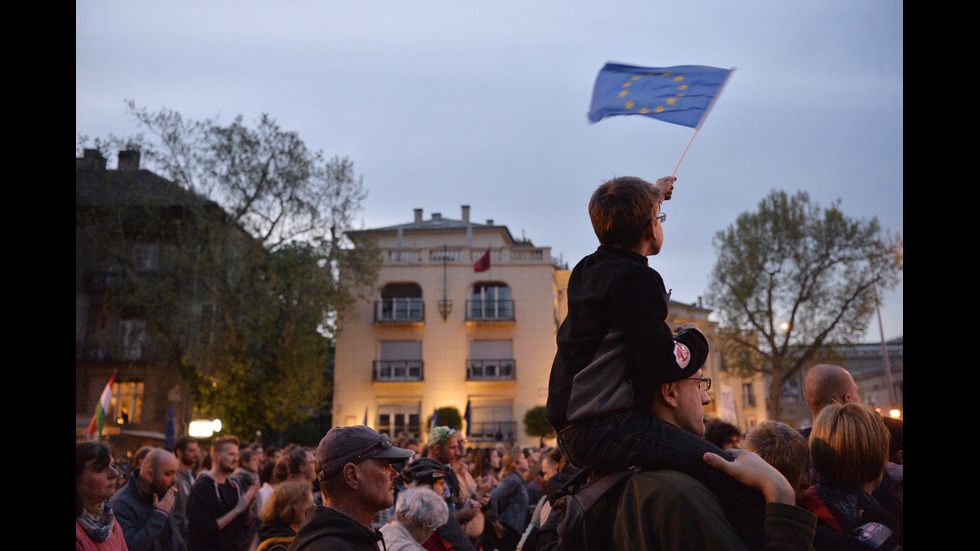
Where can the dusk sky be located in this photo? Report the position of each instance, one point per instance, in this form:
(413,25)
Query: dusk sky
(441,104)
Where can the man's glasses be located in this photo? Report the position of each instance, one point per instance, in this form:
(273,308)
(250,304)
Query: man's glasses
(704,383)
(382,441)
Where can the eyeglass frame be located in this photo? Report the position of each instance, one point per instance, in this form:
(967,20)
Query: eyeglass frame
(662,217)
(381,440)
(703,381)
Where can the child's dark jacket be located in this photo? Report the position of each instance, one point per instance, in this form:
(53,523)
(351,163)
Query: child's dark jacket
(615,346)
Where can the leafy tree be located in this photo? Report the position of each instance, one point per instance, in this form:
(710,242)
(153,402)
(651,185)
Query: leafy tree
(793,280)
(536,424)
(259,268)
(449,416)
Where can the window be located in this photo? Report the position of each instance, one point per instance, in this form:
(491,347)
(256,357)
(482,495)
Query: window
(791,391)
(490,361)
(492,421)
(748,396)
(126,403)
(399,361)
(132,334)
(490,302)
(399,420)
(145,256)
(400,302)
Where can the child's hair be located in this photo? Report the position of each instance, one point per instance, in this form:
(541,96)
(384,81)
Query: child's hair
(783,447)
(620,210)
(848,444)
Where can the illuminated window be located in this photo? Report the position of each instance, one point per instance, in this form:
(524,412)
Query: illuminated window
(127,402)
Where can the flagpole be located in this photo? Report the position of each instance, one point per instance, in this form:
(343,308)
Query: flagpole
(703,118)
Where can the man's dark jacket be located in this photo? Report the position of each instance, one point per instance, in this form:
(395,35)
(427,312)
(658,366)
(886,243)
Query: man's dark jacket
(327,529)
(144,527)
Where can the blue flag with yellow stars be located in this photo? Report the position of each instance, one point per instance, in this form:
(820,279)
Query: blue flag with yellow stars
(679,95)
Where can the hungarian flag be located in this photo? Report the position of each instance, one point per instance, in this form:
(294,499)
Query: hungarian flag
(101,410)
(483,264)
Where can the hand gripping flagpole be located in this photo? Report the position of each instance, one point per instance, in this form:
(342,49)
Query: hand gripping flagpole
(703,117)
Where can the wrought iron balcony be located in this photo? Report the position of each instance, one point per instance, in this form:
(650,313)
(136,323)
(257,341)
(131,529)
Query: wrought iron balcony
(399,310)
(490,370)
(489,310)
(94,352)
(397,370)
(493,431)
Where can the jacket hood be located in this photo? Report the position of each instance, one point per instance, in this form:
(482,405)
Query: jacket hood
(275,529)
(322,521)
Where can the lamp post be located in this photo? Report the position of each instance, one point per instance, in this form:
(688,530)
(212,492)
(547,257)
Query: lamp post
(892,401)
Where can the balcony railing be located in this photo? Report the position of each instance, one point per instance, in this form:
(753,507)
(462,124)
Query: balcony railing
(489,310)
(493,431)
(466,256)
(92,352)
(490,370)
(397,370)
(399,310)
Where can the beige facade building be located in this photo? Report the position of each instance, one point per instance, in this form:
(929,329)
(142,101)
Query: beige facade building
(449,326)
(439,333)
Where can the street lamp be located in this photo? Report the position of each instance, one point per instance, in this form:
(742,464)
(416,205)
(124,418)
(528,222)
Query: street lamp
(203,428)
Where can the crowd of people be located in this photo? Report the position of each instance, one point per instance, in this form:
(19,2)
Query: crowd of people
(449,496)
(635,467)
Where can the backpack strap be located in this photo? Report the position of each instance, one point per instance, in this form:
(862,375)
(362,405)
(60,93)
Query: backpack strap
(591,492)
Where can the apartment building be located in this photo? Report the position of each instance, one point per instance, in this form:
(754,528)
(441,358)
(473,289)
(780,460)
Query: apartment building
(463,315)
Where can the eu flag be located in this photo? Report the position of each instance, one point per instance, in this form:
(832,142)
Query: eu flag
(679,95)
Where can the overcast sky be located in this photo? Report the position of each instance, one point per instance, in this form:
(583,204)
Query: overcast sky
(483,103)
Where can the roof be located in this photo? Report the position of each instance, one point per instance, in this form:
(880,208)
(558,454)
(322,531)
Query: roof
(438,223)
(129,187)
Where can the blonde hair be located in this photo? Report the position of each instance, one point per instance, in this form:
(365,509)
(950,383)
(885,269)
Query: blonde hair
(508,461)
(288,503)
(849,445)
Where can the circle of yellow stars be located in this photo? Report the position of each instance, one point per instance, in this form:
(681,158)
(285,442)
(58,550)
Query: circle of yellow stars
(660,108)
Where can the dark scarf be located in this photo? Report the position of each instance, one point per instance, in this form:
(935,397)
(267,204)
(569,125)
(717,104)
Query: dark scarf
(846,503)
(98,527)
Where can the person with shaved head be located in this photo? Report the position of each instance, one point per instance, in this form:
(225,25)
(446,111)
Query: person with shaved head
(825,384)
(143,506)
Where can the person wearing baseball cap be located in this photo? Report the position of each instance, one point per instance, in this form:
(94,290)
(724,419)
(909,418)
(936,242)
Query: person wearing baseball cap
(354,468)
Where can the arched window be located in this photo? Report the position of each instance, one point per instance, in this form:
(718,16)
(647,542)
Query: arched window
(400,302)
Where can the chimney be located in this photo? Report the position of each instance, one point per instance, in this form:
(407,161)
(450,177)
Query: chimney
(436,216)
(418,216)
(466,214)
(129,160)
(91,159)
